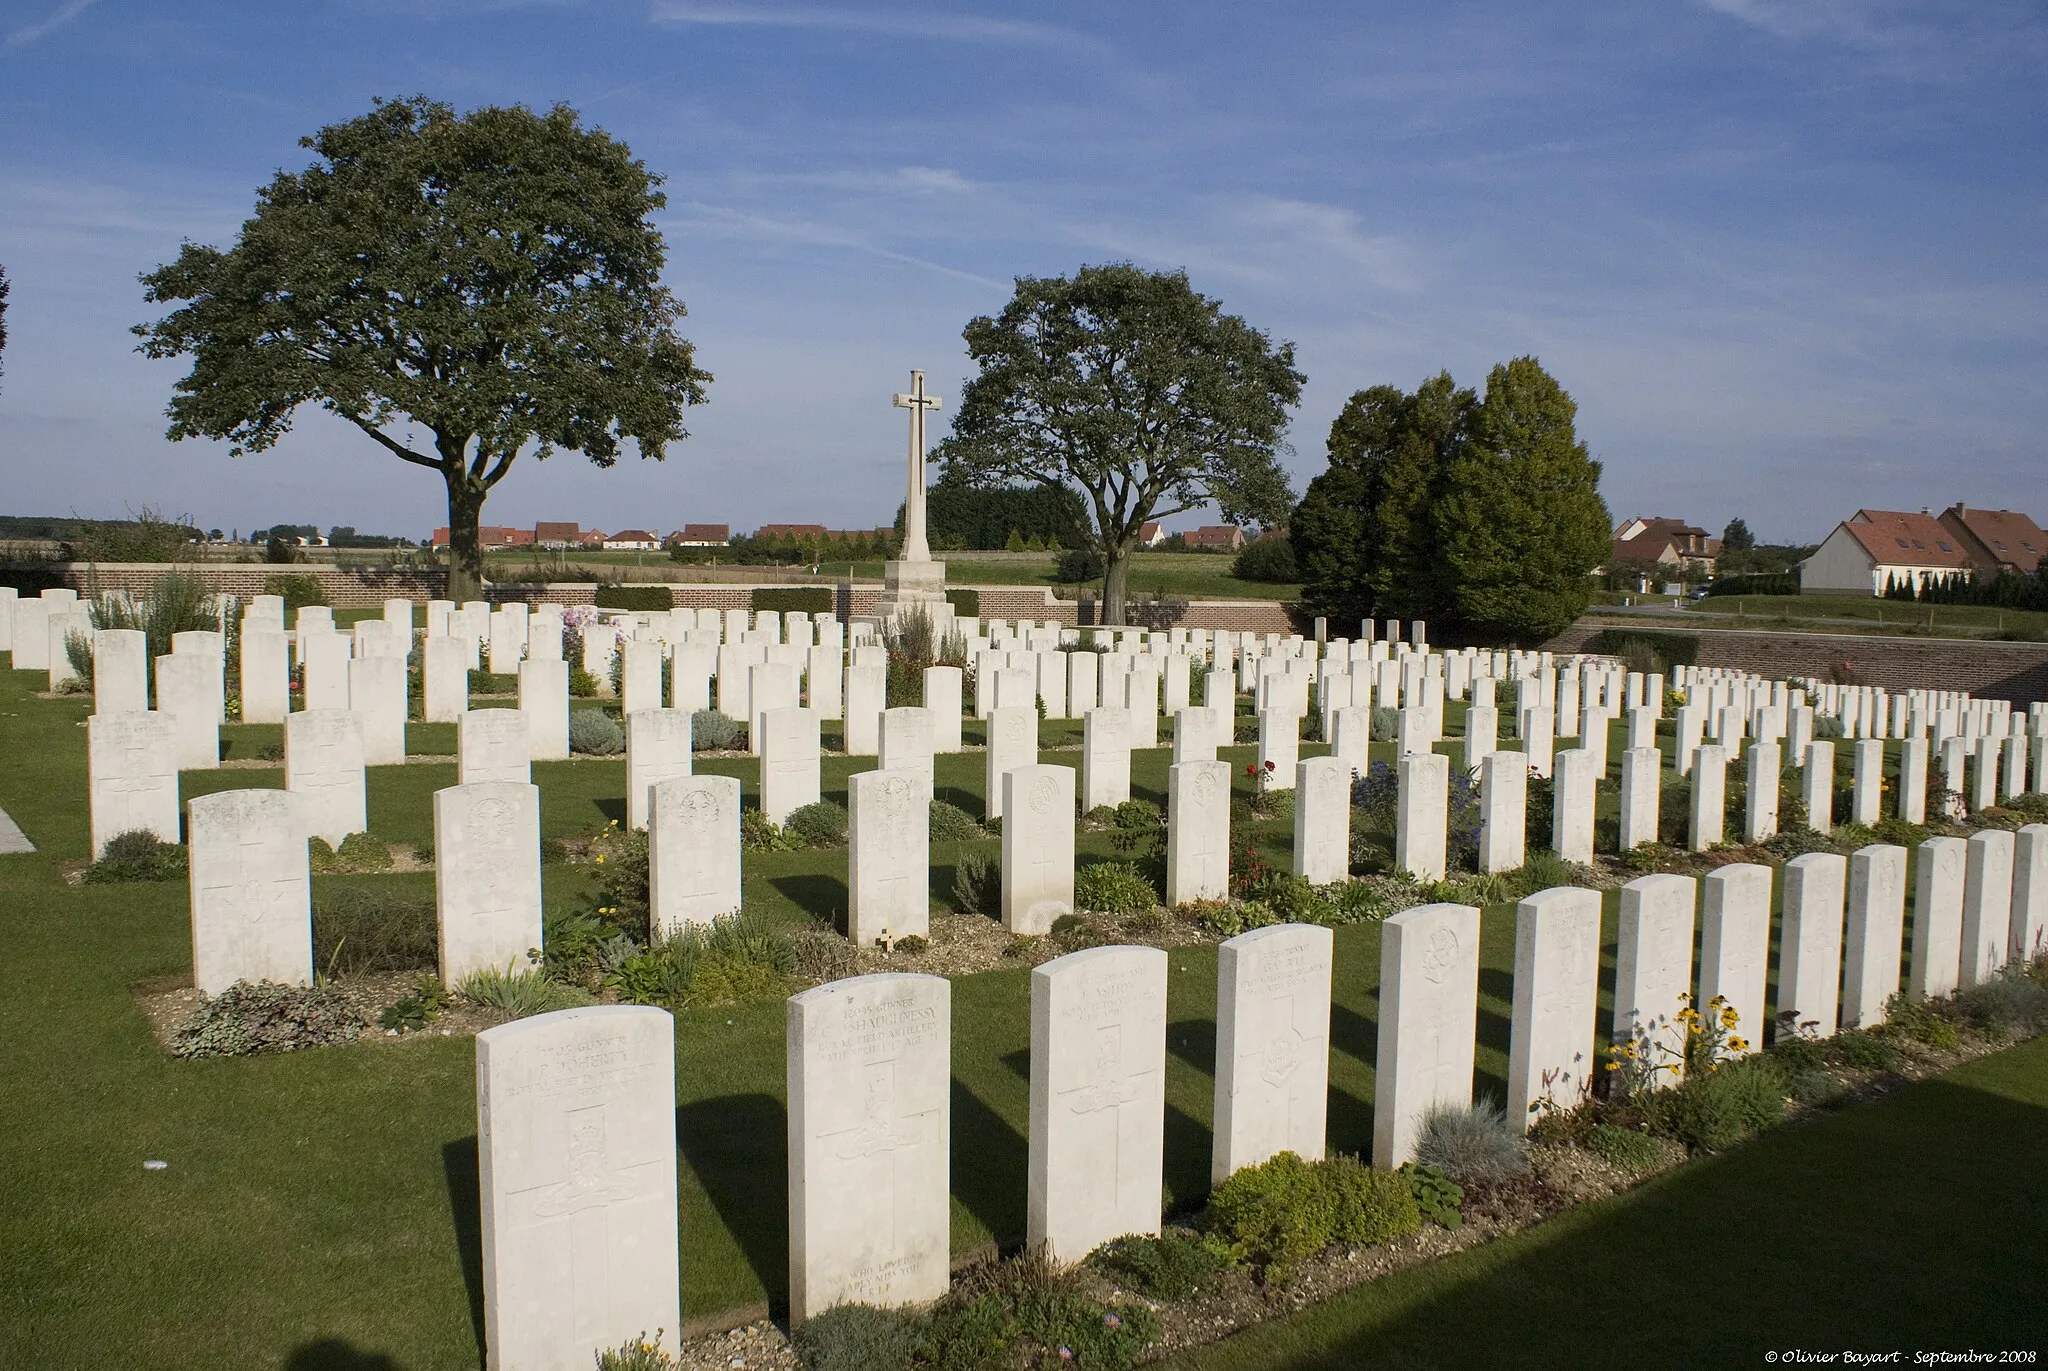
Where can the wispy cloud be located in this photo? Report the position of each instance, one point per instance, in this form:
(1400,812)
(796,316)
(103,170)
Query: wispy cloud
(720,221)
(965,28)
(64,14)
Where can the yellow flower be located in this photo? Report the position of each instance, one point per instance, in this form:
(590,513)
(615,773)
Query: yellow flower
(599,858)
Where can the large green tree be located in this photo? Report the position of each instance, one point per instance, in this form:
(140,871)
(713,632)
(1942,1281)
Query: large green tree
(1364,533)
(1522,523)
(492,278)
(1484,512)
(1135,392)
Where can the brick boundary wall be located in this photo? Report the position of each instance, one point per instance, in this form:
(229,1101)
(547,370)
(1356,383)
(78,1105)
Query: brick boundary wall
(1997,670)
(366,587)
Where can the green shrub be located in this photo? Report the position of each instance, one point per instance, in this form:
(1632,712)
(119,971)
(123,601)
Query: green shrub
(858,1337)
(1862,1051)
(966,603)
(978,883)
(595,733)
(1270,560)
(640,599)
(1113,888)
(1624,1147)
(261,1016)
(137,855)
(1026,1312)
(952,824)
(737,957)
(298,590)
(519,994)
(1173,1266)
(759,833)
(360,929)
(1719,1108)
(1076,565)
(1437,1196)
(619,860)
(418,1007)
(1472,1143)
(78,651)
(358,852)
(1919,1021)
(1282,1212)
(582,683)
(2010,1005)
(711,731)
(819,825)
(792,599)
(554,852)
(1814,1088)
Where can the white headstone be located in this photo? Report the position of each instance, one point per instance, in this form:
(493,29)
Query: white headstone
(870,1132)
(889,862)
(324,657)
(1762,799)
(1421,826)
(1098,1099)
(693,851)
(376,696)
(1936,967)
(640,676)
(658,748)
(544,700)
(1429,1006)
(790,762)
(323,768)
(866,697)
(1105,758)
(1735,943)
(266,676)
(492,745)
(1987,905)
(1503,811)
(1272,1046)
(2029,893)
(31,641)
(907,742)
(942,701)
(188,693)
(1038,846)
(1197,832)
(120,670)
(1322,820)
(1810,937)
(487,876)
(252,916)
(1653,967)
(1876,929)
(576,1157)
(1551,1065)
(1709,796)
(1641,779)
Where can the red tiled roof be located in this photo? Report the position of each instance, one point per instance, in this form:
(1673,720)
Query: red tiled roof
(705,533)
(1997,539)
(556,533)
(1894,538)
(633,535)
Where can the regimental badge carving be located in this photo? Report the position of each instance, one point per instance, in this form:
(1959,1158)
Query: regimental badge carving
(700,810)
(1282,1057)
(881,1129)
(1045,794)
(592,1181)
(1439,954)
(1205,786)
(1108,1087)
(895,799)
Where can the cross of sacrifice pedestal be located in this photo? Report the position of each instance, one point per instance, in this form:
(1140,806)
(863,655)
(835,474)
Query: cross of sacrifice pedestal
(915,548)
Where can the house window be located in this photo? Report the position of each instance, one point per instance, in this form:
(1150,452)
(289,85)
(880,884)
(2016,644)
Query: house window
(1943,546)
(1922,546)
(1900,541)
(2000,546)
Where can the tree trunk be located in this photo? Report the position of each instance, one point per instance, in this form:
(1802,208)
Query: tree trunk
(465,545)
(1116,576)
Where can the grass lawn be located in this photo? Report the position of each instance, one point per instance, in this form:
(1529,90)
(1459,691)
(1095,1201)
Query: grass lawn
(327,1199)
(1912,1225)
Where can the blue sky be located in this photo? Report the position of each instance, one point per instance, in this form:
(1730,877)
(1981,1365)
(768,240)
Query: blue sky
(1790,258)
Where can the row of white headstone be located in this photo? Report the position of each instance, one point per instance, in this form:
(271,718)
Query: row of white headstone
(576,1117)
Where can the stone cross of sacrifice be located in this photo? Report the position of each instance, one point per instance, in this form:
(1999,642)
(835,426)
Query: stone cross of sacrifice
(915,548)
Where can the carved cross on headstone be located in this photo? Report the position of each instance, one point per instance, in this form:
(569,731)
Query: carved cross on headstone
(915,548)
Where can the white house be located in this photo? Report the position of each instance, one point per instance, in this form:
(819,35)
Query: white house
(1874,549)
(632,540)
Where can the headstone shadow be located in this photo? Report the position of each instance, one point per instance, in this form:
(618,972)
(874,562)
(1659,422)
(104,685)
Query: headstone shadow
(465,1210)
(1189,1143)
(738,1148)
(1495,1030)
(612,807)
(1194,1042)
(338,1354)
(989,1161)
(817,894)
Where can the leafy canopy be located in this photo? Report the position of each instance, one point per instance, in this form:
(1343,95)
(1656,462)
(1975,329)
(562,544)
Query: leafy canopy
(1440,504)
(1132,390)
(494,278)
